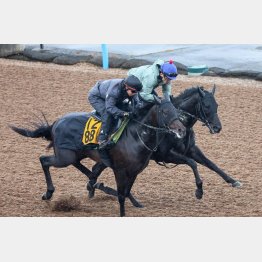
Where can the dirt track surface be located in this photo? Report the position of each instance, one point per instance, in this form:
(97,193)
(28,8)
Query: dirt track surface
(28,87)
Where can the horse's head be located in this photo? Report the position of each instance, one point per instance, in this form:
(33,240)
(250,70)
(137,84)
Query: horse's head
(207,110)
(196,103)
(167,116)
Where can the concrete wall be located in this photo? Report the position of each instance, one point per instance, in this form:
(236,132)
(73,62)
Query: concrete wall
(6,50)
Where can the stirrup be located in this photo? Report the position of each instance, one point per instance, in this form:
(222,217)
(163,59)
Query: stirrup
(107,145)
(102,144)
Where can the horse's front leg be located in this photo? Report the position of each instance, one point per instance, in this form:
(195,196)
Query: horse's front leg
(198,156)
(176,158)
(122,185)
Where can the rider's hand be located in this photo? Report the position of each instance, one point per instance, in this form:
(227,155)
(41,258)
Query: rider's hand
(125,114)
(128,114)
(131,115)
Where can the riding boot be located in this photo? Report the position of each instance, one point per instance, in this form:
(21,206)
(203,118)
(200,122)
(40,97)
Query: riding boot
(104,156)
(102,139)
(106,128)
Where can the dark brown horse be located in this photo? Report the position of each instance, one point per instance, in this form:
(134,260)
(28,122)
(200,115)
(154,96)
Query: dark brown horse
(129,156)
(194,104)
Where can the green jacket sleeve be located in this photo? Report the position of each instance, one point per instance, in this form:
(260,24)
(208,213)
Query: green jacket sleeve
(148,76)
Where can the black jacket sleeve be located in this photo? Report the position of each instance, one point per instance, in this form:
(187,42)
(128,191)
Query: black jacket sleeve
(111,107)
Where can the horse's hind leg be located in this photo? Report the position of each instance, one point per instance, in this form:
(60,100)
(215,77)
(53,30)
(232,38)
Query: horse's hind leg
(131,181)
(97,170)
(46,162)
(198,156)
(92,178)
(63,158)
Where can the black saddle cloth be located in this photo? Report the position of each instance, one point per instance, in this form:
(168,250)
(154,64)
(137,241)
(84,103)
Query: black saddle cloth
(68,131)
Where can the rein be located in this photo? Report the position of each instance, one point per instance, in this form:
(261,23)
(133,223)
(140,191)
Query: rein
(158,130)
(157,142)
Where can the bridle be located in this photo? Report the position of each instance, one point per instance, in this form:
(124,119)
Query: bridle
(200,115)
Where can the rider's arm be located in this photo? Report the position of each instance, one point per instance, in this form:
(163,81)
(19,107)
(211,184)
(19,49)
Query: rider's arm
(149,83)
(166,90)
(111,107)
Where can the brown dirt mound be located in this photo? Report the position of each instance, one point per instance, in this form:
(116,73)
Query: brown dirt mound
(66,204)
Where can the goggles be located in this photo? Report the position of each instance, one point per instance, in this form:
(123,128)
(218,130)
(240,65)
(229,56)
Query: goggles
(133,90)
(170,74)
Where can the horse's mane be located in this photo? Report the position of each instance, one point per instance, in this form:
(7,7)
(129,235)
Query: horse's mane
(186,93)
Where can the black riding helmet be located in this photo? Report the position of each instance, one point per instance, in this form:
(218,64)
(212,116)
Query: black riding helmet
(133,82)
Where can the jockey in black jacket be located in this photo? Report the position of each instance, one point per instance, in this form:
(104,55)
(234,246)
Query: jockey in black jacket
(107,98)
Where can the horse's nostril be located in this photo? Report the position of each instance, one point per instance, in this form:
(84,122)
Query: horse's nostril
(181,132)
(217,129)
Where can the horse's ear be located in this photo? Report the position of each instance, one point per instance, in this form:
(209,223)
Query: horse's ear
(201,91)
(213,90)
(157,100)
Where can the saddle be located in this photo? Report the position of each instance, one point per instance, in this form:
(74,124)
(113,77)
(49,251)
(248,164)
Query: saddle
(93,127)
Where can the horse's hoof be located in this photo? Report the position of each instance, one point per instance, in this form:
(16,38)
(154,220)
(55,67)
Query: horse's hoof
(89,187)
(98,185)
(91,190)
(136,203)
(237,184)
(199,194)
(91,194)
(46,196)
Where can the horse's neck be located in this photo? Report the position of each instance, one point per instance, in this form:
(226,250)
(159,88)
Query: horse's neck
(189,104)
(150,118)
(144,128)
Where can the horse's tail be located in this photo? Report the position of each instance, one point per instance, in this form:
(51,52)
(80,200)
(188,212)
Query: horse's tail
(43,131)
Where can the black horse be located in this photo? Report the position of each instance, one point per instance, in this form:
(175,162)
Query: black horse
(193,104)
(129,156)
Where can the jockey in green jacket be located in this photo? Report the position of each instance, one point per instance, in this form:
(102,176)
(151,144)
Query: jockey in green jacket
(152,76)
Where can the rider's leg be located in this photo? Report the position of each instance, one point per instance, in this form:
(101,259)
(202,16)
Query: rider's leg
(107,120)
